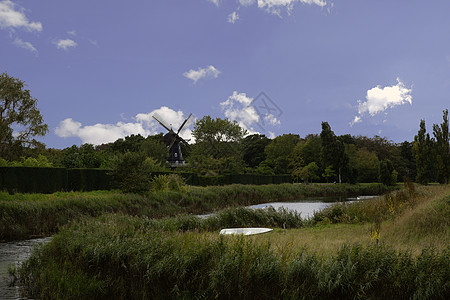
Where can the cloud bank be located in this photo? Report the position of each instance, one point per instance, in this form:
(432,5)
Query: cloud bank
(379,99)
(207,72)
(143,124)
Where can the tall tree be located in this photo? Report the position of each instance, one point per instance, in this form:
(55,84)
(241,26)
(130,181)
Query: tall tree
(217,137)
(441,134)
(253,148)
(20,120)
(422,152)
(333,151)
(279,152)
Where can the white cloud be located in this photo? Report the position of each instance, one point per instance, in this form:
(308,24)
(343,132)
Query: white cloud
(106,133)
(233,17)
(275,6)
(65,44)
(246,2)
(12,17)
(207,72)
(25,45)
(216,2)
(379,99)
(238,107)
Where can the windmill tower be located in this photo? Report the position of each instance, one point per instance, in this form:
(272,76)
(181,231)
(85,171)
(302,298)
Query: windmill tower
(172,140)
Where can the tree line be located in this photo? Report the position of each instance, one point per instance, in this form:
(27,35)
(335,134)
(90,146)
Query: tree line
(222,147)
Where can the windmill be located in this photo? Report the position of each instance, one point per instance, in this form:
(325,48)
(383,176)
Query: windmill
(172,140)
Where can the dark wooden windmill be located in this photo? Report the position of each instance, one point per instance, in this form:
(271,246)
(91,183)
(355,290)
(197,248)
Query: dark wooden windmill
(172,140)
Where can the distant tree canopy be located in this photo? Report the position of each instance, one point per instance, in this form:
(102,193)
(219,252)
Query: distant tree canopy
(222,147)
(20,120)
(217,137)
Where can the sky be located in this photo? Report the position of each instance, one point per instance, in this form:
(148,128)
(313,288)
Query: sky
(101,69)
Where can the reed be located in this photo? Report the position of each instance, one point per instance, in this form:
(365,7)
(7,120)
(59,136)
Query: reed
(25,215)
(122,257)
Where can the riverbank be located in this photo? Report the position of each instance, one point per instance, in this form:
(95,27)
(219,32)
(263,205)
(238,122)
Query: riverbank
(125,257)
(27,215)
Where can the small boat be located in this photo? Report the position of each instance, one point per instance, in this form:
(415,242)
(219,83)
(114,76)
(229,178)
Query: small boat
(245,231)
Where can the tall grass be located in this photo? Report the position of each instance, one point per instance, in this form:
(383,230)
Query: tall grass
(24,215)
(122,257)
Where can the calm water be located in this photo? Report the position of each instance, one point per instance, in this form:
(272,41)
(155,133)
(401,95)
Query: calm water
(306,206)
(13,253)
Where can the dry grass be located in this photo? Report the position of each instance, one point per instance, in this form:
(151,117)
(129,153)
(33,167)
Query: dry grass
(424,225)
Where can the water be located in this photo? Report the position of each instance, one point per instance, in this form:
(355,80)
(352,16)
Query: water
(306,206)
(14,253)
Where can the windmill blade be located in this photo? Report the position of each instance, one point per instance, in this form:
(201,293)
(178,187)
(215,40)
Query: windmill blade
(160,122)
(184,142)
(184,123)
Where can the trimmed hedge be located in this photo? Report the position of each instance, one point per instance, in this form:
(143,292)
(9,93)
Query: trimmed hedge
(50,180)
(33,179)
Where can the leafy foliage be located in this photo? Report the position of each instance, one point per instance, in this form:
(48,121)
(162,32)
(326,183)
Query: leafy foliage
(20,120)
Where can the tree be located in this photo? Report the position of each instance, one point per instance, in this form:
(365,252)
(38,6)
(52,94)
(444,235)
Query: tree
(217,137)
(441,134)
(279,152)
(20,120)
(308,173)
(422,151)
(333,151)
(253,149)
(329,174)
(388,176)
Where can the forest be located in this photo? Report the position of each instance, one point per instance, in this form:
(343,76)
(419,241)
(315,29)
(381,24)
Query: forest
(222,147)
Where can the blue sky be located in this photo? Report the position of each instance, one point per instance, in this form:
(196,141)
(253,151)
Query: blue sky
(101,69)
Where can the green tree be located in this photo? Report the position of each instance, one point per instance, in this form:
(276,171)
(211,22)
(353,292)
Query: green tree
(307,174)
(329,174)
(367,165)
(422,152)
(253,149)
(441,134)
(279,152)
(217,137)
(333,151)
(133,172)
(388,175)
(20,120)
(155,149)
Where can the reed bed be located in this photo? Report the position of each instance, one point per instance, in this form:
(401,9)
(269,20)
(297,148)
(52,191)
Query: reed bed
(123,257)
(25,215)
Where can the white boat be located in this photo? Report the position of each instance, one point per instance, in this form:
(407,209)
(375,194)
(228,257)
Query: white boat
(245,231)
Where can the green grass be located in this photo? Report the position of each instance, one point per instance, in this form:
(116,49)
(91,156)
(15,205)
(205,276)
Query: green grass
(25,215)
(117,256)
(123,257)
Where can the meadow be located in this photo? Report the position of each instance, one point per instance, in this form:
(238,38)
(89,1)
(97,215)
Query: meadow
(31,215)
(392,247)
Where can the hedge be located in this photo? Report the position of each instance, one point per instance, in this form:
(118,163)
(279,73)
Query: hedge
(50,180)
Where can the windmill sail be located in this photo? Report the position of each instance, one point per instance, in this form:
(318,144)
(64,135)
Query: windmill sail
(172,140)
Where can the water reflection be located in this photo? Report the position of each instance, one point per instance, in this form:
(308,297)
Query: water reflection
(13,253)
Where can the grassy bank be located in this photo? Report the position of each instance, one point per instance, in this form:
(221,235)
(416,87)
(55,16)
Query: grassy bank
(334,256)
(25,215)
(119,257)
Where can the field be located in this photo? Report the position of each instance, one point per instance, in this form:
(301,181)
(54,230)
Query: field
(30,215)
(392,247)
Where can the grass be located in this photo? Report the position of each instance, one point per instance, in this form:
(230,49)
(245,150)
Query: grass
(330,257)
(28,215)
